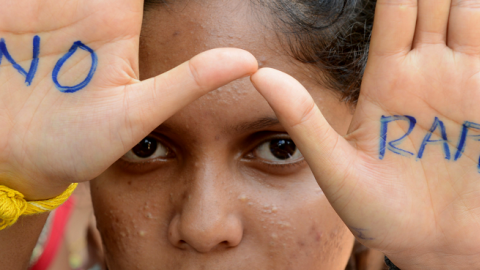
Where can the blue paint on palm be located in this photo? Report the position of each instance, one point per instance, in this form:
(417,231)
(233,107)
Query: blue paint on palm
(30,75)
(392,146)
(427,140)
(33,65)
(72,89)
(437,124)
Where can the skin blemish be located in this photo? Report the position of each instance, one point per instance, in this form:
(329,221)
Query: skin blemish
(262,61)
(284,224)
(242,198)
(317,236)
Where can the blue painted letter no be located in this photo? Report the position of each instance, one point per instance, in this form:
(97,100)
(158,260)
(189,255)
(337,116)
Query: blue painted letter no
(61,62)
(30,75)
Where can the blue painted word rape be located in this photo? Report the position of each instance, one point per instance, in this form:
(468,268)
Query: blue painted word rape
(393,146)
(30,75)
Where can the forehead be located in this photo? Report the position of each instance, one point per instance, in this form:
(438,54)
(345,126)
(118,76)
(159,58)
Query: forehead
(175,32)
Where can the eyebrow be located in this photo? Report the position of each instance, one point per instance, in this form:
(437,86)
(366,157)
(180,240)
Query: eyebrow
(255,125)
(244,127)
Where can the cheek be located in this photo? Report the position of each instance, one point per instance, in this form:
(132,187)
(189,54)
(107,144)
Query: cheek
(287,227)
(301,232)
(324,236)
(130,219)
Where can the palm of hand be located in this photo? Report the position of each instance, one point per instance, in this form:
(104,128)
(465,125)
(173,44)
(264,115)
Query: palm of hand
(428,200)
(415,199)
(39,116)
(50,138)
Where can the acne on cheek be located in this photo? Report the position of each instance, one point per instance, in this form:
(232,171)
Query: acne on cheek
(279,228)
(322,243)
(276,227)
(289,241)
(115,233)
(313,237)
(129,235)
(322,234)
(123,220)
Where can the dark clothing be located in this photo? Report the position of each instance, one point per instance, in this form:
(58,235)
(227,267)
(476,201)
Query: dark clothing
(390,264)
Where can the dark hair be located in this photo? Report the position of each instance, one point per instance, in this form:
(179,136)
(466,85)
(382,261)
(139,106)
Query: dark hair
(332,35)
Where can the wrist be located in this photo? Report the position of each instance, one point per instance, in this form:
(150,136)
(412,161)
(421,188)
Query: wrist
(32,190)
(13,205)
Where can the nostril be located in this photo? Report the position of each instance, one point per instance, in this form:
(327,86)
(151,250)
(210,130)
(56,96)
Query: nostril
(182,245)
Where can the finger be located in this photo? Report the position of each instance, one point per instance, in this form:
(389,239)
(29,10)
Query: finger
(393,27)
(149,103)
(327,153)
(432,22)
(463,28)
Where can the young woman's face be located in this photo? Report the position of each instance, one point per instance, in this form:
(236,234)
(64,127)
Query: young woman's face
(220,185)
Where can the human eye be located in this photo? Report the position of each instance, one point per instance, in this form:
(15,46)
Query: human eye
(278,151)
(149,149)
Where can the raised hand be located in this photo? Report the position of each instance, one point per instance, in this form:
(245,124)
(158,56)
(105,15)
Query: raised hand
(74,106)
(406,179)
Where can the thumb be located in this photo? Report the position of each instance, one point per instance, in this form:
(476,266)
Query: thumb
(328,154)
(151,102)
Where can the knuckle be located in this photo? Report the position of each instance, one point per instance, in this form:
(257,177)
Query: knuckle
(399,3)
(473,4)
(197,78)
(305,113)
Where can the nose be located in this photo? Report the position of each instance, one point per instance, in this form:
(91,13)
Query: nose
(207,220)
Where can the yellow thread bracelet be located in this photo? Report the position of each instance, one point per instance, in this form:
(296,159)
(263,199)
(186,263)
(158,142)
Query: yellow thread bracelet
(13,205)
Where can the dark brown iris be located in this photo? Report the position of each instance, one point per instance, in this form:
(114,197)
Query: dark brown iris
(282,149)
(145,148)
